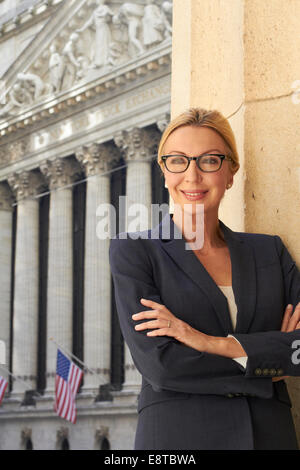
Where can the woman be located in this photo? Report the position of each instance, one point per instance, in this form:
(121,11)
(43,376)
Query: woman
(211,329)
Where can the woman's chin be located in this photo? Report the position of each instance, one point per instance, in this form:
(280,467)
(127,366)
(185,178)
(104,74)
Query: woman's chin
(194,207)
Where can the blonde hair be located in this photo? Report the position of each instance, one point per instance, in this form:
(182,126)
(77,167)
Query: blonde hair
(203,118)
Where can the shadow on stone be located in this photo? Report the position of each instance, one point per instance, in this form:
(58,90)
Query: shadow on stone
(29,398)
(104,393)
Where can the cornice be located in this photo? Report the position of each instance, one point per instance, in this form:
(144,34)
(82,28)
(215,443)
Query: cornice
(27,18)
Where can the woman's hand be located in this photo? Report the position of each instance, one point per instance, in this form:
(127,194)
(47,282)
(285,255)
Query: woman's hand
(290,322)
(164,323)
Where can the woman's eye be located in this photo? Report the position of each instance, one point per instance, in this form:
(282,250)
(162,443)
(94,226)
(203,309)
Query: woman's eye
(177,160)
(210,160)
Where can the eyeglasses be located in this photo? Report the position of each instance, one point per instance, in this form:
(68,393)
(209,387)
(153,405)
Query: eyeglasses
(207,162)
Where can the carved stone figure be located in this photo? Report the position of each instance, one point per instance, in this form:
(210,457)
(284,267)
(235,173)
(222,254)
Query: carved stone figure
(27,89)
(18,97)
(116,53)
(131,15)
(56,69)
(33,84)
(100,20)
(73,64)
(153,24)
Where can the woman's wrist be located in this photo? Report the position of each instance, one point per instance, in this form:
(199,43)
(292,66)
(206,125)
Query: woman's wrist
(227,347)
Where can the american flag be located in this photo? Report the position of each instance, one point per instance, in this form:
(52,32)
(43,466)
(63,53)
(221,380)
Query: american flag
(3,385)
(67,381)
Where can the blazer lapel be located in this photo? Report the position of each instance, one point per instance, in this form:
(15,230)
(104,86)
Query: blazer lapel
(243,273)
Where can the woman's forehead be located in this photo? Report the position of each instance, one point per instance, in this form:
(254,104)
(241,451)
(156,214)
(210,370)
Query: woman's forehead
(192,137)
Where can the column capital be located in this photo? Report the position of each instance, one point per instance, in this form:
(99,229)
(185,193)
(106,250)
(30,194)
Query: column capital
(60,172)
(26,184)
(6,197)
(137,144)
(97,158)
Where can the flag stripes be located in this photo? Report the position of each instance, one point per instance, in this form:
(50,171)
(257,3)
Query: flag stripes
(67,381)
(3,385)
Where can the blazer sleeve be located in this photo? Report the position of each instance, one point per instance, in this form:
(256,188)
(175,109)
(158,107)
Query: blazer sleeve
(163,361)
(276,353)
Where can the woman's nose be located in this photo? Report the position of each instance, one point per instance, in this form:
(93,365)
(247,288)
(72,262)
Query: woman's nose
(193,173)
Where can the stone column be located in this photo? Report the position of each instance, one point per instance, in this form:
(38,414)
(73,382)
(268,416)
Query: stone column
(272,141)
(97,160)
(138,146)
(60,173)
(25,317)
(6,208)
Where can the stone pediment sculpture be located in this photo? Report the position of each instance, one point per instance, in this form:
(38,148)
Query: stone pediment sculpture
(92,40)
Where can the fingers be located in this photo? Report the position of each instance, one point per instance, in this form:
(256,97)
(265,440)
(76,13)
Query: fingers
(152,314)
(161,332)
(294,320)
(151,303)
(286,317)
(146,314)
(151,324)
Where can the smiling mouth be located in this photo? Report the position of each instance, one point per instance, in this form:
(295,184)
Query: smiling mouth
(199,191)
(194,195)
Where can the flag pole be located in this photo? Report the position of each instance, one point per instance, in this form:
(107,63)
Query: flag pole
(68,353)
(19,380)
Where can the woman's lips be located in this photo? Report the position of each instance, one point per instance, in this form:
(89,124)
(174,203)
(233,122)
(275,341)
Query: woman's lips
(194,195)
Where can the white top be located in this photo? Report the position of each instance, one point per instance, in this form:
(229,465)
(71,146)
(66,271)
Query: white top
(229,294)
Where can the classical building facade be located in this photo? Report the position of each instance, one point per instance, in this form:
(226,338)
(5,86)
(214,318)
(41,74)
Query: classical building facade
(84,99)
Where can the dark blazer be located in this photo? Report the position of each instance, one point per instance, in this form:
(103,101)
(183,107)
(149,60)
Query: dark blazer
(195,400)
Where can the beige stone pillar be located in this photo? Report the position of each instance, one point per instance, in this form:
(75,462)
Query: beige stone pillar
(60,173)
(97,160)
(25,320)
(272,120)
(137,145)
(208,71)
(242,58)
(6,208)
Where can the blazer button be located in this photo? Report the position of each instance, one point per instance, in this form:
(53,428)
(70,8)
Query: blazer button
(266,371)
(272,372)
(230,395)
(257,371)
(279,371)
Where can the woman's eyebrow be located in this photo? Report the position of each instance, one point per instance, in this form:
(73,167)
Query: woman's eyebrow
(177,152)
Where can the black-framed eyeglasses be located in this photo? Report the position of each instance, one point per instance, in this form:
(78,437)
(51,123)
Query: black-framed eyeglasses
(207,162)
